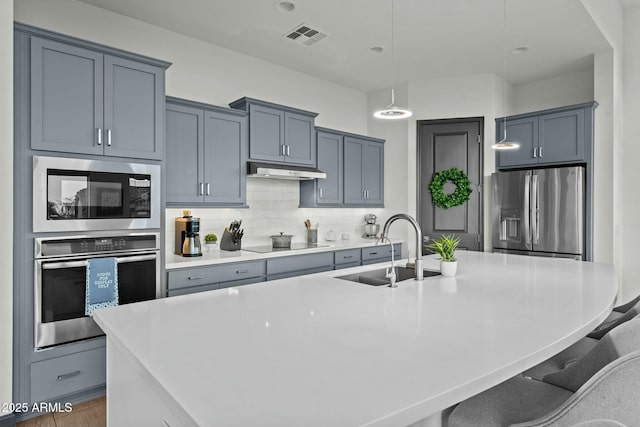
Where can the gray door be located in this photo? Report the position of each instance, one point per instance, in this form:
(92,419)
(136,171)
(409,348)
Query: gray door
(561,136)
(225,157)
(353,176)
(373,157)
(133,109)
(443,144)
(299,139)
(266,133)
(330,161)
(66,97)
(525,132)
(557,210)
(184,172)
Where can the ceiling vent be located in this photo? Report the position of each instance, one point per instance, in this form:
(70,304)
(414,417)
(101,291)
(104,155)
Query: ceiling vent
(305,35)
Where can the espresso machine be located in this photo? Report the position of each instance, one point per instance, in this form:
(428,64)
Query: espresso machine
(188,235)
(370,227)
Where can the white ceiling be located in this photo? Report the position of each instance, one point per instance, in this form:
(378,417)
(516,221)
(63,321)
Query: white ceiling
(433,38)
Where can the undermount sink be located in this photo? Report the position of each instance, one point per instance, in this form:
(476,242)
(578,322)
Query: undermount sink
(377,277)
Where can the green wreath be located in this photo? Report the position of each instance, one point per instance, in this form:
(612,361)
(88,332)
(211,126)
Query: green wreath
(458,197)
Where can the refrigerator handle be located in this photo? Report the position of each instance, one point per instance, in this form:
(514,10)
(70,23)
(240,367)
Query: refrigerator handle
(535,229)
(527,211)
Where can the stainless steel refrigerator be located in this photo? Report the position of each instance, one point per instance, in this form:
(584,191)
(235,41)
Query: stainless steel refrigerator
(540,212)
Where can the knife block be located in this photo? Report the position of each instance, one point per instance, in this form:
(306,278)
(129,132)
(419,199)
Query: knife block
(227,244)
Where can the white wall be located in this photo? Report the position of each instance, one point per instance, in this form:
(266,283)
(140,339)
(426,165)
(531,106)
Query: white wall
(6,194)
(558,91)
(630,169)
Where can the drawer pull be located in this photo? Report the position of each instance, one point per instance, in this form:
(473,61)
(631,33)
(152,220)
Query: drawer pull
(195,277)
(347,257)
(373,253)
(242,271)
(69,375)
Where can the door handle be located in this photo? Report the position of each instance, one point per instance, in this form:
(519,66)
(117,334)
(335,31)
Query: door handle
(208,189)
(321,192)
(109,137)
(69,375)
(99,136)
(540,152)
(527,210)
(288,150)
(282,150)
(535,230)
(535,152)
(135,258)
(201,189)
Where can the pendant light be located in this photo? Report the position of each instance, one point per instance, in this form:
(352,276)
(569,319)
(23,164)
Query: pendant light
(391,111)
(504,143)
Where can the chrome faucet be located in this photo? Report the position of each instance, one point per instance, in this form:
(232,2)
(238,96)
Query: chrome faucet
(416,226)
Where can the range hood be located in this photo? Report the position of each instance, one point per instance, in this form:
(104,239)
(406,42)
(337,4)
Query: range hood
(283,171)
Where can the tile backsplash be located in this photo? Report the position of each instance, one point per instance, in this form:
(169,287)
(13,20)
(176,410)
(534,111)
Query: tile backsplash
(273,208)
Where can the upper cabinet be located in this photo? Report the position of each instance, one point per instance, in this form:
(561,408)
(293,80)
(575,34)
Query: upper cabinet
(278,133)
(561,135)
(89,99)
(354,165)
(206,155)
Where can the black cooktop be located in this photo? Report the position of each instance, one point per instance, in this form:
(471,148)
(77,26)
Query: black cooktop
(294,246)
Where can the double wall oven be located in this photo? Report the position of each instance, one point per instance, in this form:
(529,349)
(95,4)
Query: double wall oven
(91,209)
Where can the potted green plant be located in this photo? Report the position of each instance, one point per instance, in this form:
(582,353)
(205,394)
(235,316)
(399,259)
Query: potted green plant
(210,240)
(446,247)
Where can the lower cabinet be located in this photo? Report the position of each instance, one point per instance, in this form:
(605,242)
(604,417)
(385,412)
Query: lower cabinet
(298,265)
(60,376)
(199,279)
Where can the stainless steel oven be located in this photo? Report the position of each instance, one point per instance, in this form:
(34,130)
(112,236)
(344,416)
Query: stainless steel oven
(61,277)
(81,194)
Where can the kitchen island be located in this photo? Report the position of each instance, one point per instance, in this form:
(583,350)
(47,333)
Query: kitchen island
(321,351)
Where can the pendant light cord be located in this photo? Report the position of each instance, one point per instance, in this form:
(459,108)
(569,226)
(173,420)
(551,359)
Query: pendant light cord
(393,101)
(504,66)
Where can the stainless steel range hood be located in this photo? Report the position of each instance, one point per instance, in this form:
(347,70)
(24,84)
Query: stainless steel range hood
(280,171)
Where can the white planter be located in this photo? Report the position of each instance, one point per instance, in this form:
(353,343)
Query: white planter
(448,269)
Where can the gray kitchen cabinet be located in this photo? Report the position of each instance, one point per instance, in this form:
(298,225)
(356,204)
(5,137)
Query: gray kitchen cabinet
(556,136)
(278,133)
(298,265)
(381,253)
(198,279)
(206,154)
(347,258)
(63,375)
(363,171)
(87,101)
(327,191)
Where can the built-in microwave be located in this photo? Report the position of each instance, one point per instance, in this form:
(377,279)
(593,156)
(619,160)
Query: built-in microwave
(87,195)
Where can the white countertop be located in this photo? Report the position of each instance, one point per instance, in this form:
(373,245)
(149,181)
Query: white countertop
(320,351)
(217,256)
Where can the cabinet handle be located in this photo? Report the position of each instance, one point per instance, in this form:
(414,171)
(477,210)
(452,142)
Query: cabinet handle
(195,277)
(201,189)
(347,257)
(321,192)
(373,253)
(288,150)
(109,137)
(69,375)
(535,153)
(540,151)
(282,150)
(99,136)
(242,271)
(208,189)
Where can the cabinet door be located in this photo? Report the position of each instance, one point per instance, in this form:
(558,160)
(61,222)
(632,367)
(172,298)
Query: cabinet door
(373,165)
(561,136)
(66,97)
(330,161)
(133,109)
(266,134)
(353,184)
(525,132)
(225,140)
(184,170)
(299,139)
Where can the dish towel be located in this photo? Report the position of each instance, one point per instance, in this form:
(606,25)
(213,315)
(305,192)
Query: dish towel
(102,284)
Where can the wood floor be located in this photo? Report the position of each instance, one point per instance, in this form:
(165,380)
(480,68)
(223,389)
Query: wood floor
(87,414)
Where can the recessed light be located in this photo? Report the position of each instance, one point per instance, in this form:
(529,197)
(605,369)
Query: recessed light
(285,6)
(376,49)
(520,50)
